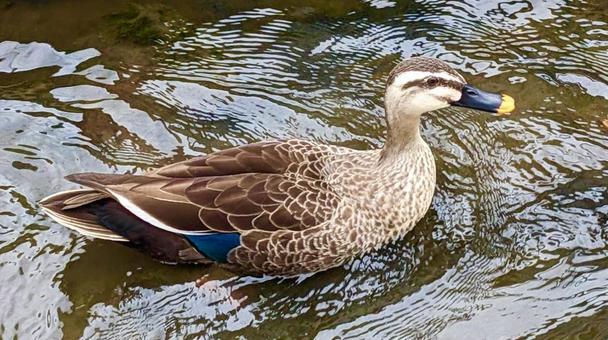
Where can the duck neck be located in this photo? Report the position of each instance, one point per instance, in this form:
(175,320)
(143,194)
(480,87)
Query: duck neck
(402,137)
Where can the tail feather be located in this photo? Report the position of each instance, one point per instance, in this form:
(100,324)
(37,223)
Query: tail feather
(96,214)
(61,208)
(99,181)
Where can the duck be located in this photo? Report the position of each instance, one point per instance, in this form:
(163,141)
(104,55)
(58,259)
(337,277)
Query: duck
(281,207)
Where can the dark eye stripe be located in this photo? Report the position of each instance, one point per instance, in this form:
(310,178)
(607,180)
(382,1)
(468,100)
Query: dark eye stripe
(441,82)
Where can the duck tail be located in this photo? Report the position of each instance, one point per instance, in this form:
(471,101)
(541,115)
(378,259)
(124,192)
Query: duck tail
(94,213)
(63,207)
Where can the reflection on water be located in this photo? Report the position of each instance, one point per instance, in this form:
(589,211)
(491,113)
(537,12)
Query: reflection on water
(515,244)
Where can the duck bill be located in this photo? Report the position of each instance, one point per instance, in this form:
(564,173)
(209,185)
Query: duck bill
(475,98)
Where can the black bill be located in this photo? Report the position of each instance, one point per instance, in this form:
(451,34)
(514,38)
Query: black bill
(475,98)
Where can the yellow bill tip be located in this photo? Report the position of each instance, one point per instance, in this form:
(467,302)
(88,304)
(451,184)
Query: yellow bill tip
(507,105)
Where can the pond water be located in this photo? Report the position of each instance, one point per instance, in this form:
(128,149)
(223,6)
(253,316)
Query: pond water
(514,245)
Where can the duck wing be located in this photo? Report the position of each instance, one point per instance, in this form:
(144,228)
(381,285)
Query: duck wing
(200,208)
(218,204)
(267,186)
(263,157)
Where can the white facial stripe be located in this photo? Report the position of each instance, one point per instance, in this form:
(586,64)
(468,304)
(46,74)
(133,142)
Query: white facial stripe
(410,76)
(447,93)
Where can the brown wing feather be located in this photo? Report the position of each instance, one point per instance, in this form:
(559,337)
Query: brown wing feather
(262,157)
(265,186)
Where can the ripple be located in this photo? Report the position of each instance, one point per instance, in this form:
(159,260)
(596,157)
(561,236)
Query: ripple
(16,57)
(514,245)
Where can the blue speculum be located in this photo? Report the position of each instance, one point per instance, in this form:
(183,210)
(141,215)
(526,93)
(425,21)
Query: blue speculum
(215,246)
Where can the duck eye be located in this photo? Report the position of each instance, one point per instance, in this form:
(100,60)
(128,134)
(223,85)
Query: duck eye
(432,81)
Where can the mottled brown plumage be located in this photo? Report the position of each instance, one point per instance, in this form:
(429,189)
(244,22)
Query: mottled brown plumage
(297,206)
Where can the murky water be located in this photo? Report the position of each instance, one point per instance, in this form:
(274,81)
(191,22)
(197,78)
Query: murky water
(516,242)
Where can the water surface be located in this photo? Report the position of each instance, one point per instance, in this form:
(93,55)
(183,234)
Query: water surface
(515,244)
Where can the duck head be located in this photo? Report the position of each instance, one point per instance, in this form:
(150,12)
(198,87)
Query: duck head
(418,85)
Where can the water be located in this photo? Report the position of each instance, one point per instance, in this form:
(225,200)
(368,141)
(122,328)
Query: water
(515,244)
